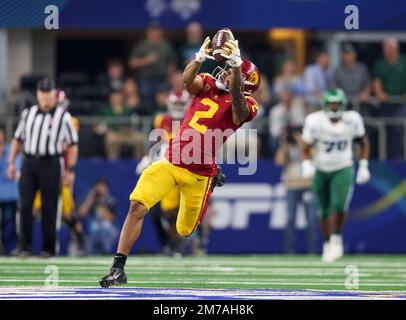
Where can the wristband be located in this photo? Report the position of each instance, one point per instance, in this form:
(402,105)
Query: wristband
(363,163)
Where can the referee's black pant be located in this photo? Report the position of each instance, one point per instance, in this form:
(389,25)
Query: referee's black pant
(44,174)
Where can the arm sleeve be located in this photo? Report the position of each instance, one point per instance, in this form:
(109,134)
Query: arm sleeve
(359,128)
(252,106)
(309,133)
(20,132)
(71,133)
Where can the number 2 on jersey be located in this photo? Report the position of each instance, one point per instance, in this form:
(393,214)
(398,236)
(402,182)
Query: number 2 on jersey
(204,115)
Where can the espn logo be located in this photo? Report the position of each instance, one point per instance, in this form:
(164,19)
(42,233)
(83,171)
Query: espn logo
(236,203)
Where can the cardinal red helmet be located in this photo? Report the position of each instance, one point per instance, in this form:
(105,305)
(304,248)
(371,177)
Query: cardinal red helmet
(250,74)
(177,102)
(252,77)
(62,98)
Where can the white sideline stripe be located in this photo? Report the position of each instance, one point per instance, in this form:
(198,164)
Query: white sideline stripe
(216,282)
(255,280)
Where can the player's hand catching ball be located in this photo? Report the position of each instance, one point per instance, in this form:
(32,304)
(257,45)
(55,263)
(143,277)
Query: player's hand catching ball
(233,55)
(363,174)
(308,170)
(204,51)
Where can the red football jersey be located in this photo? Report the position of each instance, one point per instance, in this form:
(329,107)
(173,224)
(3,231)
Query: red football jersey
(165,121)
(207,124)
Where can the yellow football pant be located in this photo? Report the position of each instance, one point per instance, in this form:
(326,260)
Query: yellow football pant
(162,177)
(171,201)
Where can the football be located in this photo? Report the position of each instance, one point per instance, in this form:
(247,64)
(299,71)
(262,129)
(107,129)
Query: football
(218,41)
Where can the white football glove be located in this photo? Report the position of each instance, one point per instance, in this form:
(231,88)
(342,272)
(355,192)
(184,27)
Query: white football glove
(204,51)
(308,169)
(363,174)
(143,164)
(233,55)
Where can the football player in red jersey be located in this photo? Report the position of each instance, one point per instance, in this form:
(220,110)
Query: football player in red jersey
(220,105)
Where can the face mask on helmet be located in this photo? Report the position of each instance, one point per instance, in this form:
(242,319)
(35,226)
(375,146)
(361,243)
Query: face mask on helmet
(222,77)
(334,103)
(333,114)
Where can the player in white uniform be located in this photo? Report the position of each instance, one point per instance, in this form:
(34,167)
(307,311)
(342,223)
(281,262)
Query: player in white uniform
(331,133)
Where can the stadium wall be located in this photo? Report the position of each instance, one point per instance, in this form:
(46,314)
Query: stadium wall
(251,210)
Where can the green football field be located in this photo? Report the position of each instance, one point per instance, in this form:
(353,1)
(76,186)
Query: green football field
(354,273)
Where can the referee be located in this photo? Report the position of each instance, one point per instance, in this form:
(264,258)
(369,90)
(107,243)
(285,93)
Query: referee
(41,134)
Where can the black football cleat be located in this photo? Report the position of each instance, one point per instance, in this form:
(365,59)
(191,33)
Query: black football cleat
(115,277)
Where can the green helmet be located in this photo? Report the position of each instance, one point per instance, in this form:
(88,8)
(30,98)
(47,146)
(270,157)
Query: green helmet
(334,96)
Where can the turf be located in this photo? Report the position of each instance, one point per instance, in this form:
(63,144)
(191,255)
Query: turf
(376,272)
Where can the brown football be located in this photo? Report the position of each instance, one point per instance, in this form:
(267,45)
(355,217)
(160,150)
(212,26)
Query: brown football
(218,41)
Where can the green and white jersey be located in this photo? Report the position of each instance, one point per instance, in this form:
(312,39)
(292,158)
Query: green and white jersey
(332,141)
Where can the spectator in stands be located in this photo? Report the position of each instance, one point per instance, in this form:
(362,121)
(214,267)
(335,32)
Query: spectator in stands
(317,78)
(263,94)
(131,96)
(153,59)
(288,113)
(352,76)
(176,81)
(288,78)
(298,188)
(117,129)
(100,208)
(8,199)
(194,39)
(390,71)
(390,83)
(113,79)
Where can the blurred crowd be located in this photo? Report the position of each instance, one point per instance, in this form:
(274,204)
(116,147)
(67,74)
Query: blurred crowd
(138,85)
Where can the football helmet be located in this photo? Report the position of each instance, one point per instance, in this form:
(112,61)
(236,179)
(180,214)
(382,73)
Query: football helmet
(336,97)
(250,73)
(61,98)
(177,102)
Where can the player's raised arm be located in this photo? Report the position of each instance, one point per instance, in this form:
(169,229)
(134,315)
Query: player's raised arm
(238,102)
(306,145)
(192,82)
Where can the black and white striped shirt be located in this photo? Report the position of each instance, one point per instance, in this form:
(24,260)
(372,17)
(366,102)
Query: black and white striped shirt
(43,133)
